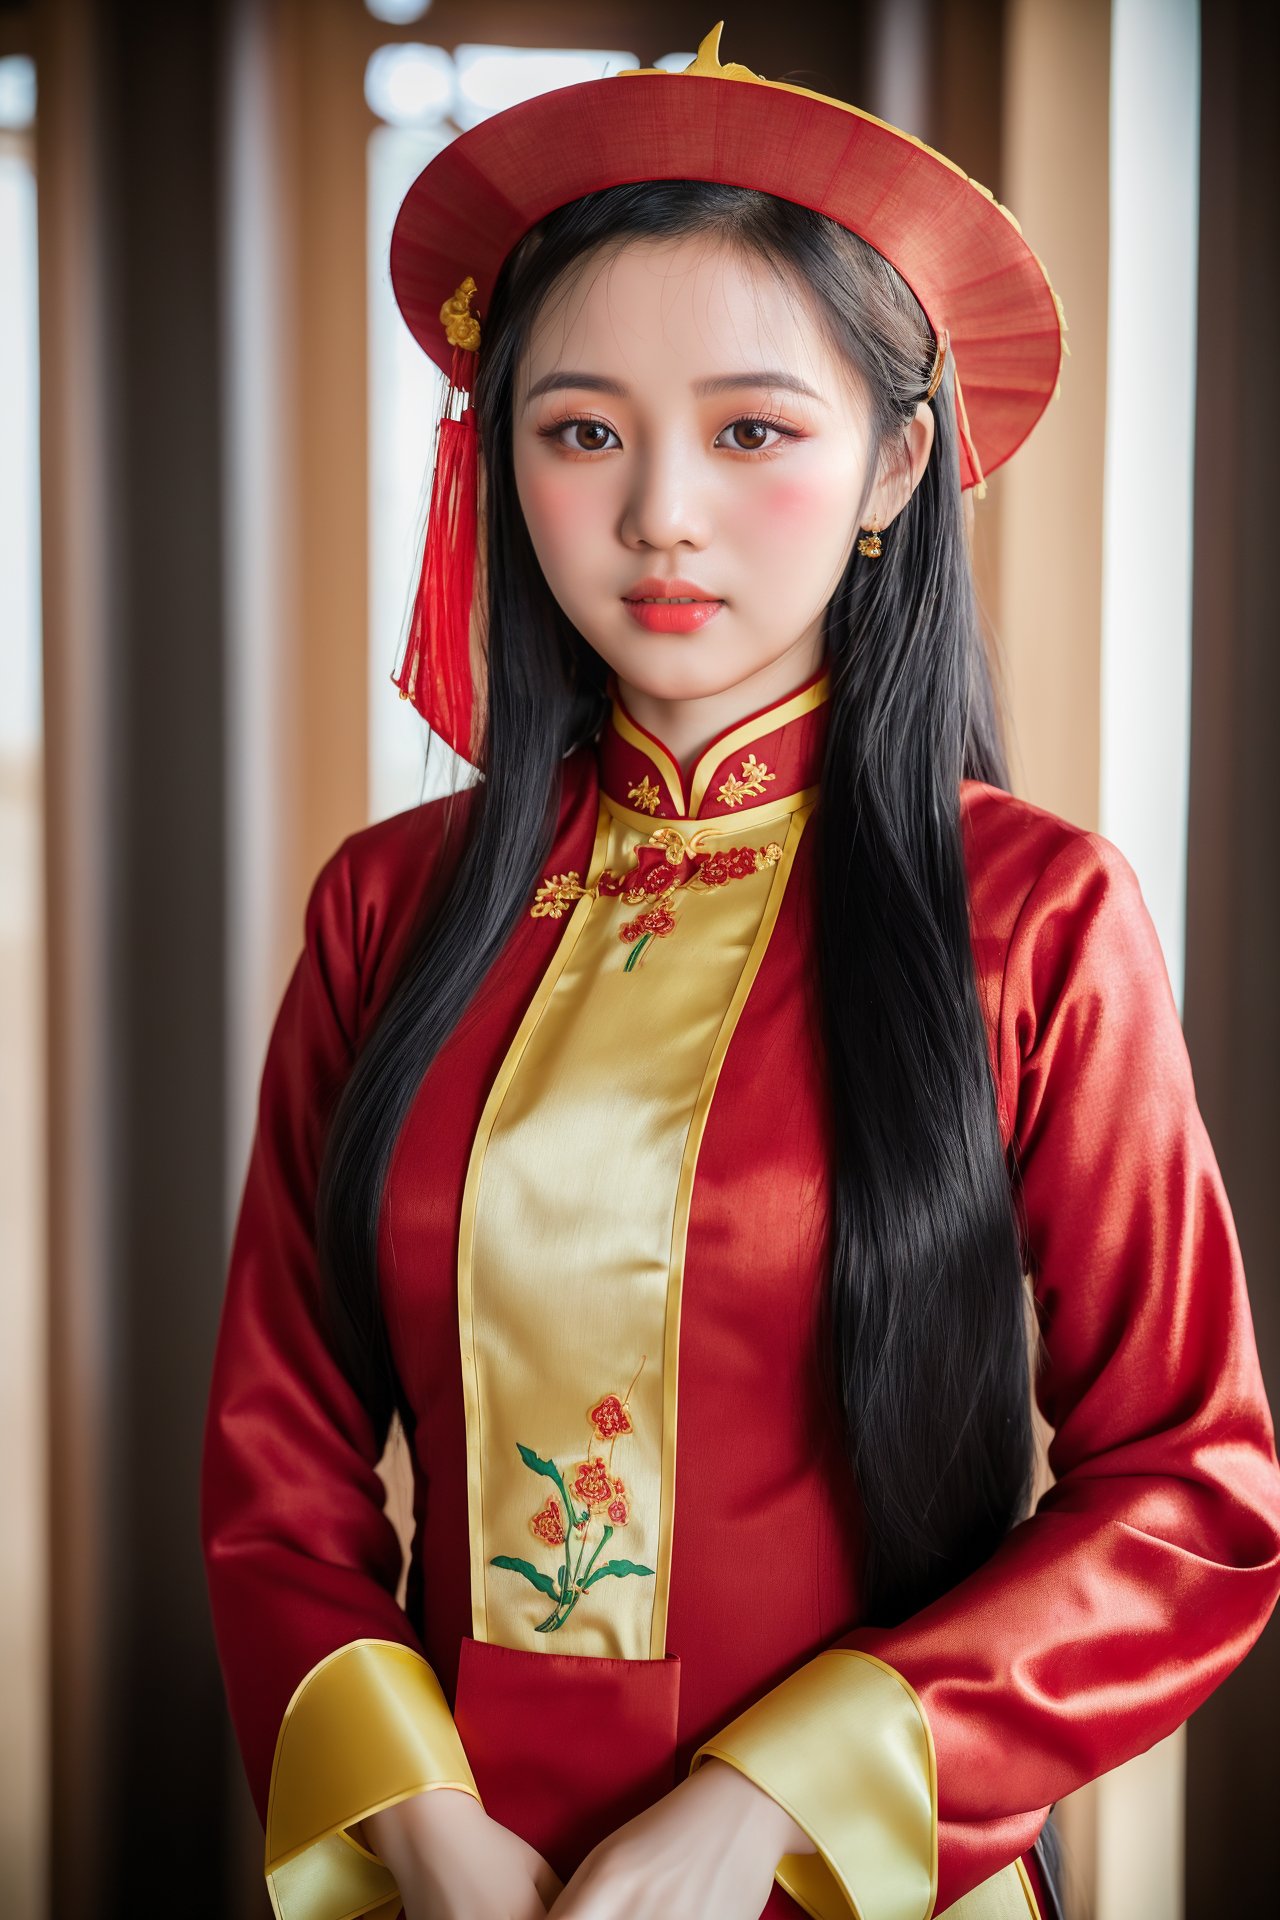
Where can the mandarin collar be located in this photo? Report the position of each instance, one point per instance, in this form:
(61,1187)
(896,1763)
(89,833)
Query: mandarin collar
(751,766)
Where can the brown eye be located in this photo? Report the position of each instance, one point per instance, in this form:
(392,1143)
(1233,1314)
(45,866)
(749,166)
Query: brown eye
(750,434)
(590,435)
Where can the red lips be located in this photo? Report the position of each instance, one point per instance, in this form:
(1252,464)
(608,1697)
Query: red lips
(655,589)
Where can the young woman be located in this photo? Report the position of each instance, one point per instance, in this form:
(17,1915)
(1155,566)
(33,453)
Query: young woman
(710,1130)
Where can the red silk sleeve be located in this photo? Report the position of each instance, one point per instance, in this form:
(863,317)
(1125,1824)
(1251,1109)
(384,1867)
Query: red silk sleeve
(1151,1566)
(302,1561)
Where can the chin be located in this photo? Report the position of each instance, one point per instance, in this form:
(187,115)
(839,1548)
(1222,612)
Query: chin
(680,680)
(683,666)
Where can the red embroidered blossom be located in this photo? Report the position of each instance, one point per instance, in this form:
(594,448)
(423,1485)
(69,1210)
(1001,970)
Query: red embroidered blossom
(610,1417)
(643,888)
(592,1484)
(547,1524)
(653,866)
(652,873)
(734,863)
(588,1490)
(657,920)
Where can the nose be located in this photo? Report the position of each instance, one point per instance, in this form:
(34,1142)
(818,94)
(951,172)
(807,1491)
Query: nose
(664,504)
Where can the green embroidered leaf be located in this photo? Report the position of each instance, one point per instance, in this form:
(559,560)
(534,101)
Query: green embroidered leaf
(550,1471)
(539,1465)
(615,1566)
(541,1581)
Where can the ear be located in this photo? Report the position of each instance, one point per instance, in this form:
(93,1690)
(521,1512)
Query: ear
(896,487)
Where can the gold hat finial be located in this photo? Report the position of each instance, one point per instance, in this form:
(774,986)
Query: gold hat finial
(707,59)
(705,62)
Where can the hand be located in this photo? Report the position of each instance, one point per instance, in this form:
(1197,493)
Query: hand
(708,1846)
(452,1862)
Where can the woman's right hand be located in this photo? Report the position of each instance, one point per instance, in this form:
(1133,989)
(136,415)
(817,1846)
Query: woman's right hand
(452,1862)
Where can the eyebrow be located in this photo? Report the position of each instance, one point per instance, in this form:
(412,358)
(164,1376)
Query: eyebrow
(719,383)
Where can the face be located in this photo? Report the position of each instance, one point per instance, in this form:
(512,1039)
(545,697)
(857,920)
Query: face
(680,418)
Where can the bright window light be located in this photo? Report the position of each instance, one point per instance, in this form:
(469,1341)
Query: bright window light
(397,13)
(410,85)
(17,92)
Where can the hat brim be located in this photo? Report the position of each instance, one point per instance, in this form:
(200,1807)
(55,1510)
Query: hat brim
(961,253)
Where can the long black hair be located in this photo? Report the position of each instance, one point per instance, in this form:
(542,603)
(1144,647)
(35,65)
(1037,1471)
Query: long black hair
(925,1329)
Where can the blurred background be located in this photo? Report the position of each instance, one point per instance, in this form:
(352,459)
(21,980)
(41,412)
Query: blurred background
(214,438)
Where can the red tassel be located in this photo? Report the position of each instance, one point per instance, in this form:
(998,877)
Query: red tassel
(966,441)
(435,673)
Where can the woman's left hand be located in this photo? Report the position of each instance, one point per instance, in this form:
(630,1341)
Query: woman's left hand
(708,1846)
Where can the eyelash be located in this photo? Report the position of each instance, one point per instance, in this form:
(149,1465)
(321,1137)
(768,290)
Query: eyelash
(557,427)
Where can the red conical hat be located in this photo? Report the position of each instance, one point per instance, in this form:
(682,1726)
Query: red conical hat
(984,292)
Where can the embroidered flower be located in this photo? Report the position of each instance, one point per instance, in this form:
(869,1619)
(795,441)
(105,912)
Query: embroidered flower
(555,896)
(592,1483)
(610,1417)
(734,863)
(595,1491)
(754,775)
(659,920)
(661,867)
(547,1524)
(658,868)
(645,795)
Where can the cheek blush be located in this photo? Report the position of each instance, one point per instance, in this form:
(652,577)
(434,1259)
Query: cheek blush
(794,500)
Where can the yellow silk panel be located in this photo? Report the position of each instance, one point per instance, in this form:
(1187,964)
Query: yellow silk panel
(574,1218)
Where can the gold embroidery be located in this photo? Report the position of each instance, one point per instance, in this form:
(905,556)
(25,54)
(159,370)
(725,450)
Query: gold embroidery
(554,895)
(673,844)
(645,795)
(754,775)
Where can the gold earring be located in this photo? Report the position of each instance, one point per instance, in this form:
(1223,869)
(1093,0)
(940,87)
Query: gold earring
(870,545)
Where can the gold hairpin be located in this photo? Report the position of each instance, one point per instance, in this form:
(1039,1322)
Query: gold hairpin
(935,378)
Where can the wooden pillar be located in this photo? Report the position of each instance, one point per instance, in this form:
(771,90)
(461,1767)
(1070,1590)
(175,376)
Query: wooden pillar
(134,716)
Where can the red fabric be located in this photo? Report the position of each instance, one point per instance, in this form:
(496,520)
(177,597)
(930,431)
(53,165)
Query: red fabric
(1100,1624)
(792,752)
(1148,1570)
(961,254)
(536,1726)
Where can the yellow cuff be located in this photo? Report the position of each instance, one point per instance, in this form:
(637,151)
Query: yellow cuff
(843,1744)
(367,1727)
